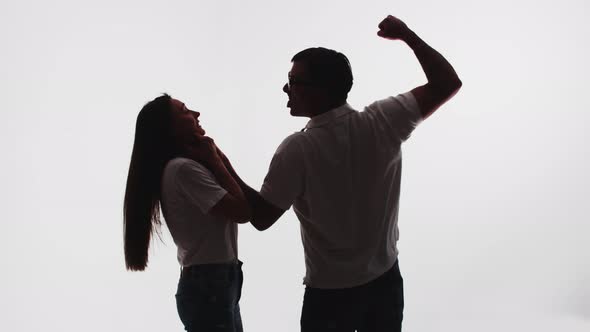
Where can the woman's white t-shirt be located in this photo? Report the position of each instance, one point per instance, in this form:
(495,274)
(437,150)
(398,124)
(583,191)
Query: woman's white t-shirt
(189,191)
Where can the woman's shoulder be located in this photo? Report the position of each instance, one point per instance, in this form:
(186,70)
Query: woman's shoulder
(178,171)
(180,165)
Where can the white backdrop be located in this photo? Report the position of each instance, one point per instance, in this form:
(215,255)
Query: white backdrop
(493,217)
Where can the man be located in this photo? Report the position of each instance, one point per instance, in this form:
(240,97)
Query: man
(342,176)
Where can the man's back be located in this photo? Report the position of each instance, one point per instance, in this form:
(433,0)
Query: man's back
(342,176)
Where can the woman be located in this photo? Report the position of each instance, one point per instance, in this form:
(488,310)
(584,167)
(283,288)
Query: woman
(175,166)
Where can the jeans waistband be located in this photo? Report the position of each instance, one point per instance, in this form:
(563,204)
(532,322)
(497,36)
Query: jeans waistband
(214,267)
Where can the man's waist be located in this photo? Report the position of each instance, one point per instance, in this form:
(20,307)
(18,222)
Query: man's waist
(345,275)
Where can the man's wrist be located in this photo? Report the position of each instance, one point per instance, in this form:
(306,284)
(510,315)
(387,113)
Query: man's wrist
(215,163)
(411,39)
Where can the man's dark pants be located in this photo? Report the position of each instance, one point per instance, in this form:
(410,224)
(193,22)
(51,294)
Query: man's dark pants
(373,307)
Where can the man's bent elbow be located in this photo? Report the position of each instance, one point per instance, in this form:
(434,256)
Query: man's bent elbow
(456,85)
(241,214)
(446,90)
(260,225)
(449,87)
(242,220)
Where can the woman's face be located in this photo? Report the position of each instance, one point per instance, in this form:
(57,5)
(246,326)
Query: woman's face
(185,123)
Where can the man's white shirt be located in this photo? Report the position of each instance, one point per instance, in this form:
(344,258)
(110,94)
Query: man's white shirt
(342,177)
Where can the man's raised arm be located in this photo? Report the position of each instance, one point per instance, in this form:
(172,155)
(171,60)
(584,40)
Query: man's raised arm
(443,82)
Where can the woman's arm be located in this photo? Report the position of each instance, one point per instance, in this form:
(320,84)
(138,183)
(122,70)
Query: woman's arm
(233,206)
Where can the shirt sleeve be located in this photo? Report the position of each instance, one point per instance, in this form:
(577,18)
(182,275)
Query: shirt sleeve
(286,174)
(396,116)
(198,185)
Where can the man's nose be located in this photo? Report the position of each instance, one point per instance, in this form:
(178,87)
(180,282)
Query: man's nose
(286,88)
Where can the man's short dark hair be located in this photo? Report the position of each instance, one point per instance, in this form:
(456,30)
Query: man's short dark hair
(328,69)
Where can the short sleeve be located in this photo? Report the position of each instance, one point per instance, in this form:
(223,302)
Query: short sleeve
(396,116)
(286,174)
(198,185)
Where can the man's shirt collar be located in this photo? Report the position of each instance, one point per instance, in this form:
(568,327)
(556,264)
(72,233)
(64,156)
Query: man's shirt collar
(330,116)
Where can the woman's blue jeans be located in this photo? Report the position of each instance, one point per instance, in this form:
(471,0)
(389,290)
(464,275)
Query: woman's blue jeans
(208,295)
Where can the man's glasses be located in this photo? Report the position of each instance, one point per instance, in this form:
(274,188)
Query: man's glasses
(295,81)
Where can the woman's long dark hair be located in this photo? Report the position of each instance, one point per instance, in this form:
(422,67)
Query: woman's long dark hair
(152,149)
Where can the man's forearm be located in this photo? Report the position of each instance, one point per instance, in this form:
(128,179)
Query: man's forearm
(233,173)
(264,214)
(438,70)
(226,180)
(252,196)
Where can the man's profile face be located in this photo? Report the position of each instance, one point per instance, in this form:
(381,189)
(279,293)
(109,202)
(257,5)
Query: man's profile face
(300,90)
